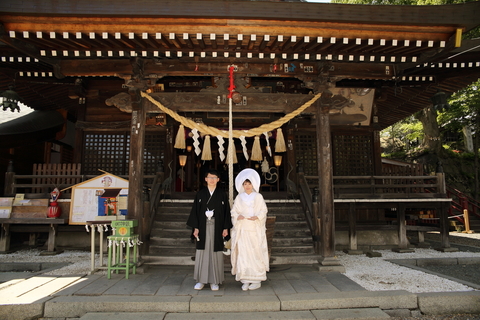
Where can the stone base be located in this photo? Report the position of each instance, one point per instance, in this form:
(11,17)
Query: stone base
(447,249)
(353,252)
(403,250)
(335,268)
(50,253)
(422,244)
(373,254)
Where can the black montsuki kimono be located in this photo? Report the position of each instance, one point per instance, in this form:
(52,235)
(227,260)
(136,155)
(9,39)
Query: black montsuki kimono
(197,219)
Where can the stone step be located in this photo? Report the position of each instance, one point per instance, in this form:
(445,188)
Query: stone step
(186,241)
(292,233)
(283,242)
(171,251)
(293,250)
(344,314)
(333,302)
(168,216)
(170,225)
(154,259)
(285,259)
(279,225)
(171,233)
(185,233)
(168,241)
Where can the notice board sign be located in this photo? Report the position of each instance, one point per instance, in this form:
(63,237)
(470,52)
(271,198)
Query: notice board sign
(101,198)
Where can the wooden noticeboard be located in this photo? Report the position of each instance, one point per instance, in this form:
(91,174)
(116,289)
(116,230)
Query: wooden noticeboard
(101,198)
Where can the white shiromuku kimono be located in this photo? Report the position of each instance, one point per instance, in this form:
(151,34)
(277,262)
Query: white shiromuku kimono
(249,250)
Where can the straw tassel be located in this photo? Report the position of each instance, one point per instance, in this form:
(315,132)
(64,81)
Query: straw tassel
(256,150)
(231,148)
(180,139)
(207,149)
(280,144)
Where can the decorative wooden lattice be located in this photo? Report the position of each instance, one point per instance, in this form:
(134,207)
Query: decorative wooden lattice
(306,151)
(352,155)
(111,152)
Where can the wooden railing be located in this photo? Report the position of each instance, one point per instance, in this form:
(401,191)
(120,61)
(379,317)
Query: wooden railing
(29,183)
(371,187)
(306,199)
(385,187)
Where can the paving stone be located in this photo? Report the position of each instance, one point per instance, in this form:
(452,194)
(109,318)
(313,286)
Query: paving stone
(396,299)
(342,283)
(31,310)
(77,306)
(99,286)
(123,316)
(126,286)
(449,302)
(353,314)
(150,285)
(280,315)
(234,304)
(77,285)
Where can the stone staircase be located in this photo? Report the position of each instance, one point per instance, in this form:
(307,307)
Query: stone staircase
(170,242)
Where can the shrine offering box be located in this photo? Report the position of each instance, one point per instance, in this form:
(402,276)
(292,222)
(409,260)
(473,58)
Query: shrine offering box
(125,227)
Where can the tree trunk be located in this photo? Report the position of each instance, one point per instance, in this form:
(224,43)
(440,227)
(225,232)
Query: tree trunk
(475,153)
(431,139)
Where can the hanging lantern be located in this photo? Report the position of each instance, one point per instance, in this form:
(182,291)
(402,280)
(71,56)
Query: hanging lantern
(10,99)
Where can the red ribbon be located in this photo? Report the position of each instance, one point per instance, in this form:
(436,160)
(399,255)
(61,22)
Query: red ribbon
(231,88)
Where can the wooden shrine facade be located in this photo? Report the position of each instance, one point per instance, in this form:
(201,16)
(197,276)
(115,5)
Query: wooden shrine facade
(362,68)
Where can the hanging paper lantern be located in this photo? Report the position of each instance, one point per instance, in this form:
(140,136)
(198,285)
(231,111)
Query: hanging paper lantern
(207,152)
(180,139)
(280,144)
(256,150)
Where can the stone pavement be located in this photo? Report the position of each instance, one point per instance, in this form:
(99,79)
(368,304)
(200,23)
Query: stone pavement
(166,292)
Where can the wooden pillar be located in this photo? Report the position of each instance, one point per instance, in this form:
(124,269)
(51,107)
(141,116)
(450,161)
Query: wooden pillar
(79,136)
(4,237)
(444,228)
(135,166)
(402,230)
(325,183)
(9,190)
(352,230)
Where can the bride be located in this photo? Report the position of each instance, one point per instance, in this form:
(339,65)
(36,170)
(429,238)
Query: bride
(249,250)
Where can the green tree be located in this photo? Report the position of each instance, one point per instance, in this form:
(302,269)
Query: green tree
(465,104)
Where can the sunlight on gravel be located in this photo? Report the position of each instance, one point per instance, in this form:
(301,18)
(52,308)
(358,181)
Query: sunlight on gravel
(79,260)
(376,274)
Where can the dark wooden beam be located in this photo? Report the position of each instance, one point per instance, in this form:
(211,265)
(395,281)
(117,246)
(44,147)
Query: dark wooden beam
(155,68)
(207,102)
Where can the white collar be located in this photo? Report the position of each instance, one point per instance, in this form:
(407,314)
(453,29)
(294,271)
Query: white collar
(248,197)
